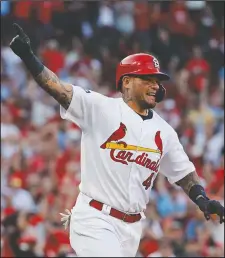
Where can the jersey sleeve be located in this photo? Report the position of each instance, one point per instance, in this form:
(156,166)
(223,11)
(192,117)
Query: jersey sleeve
(175,164)
(83,108)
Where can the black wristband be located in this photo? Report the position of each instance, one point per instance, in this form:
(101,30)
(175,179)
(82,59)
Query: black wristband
(197,194)
(33,64)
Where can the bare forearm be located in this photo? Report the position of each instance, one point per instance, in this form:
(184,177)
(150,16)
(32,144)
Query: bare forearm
(188,181)
(61,92)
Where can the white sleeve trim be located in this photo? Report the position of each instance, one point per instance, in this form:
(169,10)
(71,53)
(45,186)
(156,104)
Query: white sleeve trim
(180,176)
(64,112)
(83,108)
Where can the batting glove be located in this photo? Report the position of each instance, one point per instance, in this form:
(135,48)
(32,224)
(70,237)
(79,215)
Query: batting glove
(209,207)
(66,218)
(20,44)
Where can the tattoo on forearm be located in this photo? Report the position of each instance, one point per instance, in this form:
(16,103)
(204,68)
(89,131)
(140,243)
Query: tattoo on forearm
(61,92)
(188,181)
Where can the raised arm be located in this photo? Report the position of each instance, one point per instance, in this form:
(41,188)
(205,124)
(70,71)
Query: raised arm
(192,187)
(60,91)
(46,79)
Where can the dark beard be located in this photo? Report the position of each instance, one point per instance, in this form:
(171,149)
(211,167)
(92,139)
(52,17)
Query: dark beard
(145,105)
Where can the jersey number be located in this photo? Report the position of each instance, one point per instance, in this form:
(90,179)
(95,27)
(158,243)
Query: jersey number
(147,183)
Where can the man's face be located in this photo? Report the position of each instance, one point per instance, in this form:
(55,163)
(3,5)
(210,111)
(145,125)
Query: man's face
(142,89)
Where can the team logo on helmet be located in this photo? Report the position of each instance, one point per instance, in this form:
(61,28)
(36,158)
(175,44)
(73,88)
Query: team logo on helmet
(156,62)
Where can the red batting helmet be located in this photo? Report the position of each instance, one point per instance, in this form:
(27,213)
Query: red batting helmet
(141,64)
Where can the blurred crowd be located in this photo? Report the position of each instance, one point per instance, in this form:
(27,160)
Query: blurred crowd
(82,42)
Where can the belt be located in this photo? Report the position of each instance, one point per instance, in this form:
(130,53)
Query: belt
(129,218)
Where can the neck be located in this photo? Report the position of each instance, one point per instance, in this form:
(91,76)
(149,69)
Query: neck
(133,105)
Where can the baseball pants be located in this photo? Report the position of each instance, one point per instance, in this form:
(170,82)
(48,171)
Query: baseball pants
(94,233)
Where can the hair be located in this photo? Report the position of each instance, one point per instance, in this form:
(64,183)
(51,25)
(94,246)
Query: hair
(120,84)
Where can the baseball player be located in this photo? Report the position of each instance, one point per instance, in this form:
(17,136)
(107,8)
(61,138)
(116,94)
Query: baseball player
(124,145)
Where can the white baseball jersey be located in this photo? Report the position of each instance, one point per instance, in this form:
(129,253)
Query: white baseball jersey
(121,154)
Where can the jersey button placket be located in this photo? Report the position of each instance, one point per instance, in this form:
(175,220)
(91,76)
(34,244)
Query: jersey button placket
(133,164)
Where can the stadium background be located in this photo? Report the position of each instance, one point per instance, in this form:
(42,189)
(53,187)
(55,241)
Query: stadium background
(82,42)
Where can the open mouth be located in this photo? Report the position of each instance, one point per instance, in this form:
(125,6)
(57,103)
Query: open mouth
(151,94)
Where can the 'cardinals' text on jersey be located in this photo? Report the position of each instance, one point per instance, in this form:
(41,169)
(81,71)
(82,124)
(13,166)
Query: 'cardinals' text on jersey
(121,154)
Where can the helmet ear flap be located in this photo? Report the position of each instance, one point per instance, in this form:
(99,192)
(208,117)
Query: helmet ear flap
(161,93)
